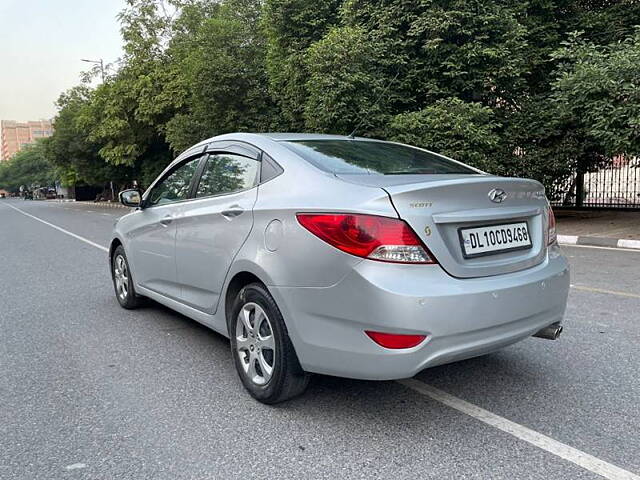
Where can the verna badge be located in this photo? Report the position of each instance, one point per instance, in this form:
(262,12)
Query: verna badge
(497,195)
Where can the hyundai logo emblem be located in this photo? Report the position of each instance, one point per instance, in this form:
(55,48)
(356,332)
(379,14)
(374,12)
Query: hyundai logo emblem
(497,195)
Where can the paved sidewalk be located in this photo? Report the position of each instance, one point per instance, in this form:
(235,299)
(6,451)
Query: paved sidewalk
(105,204)
(611,228)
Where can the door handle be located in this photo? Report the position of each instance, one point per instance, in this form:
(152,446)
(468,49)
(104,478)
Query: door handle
(232,212)
(166,221)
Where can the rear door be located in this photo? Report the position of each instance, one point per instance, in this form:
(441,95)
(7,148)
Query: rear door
(213,227)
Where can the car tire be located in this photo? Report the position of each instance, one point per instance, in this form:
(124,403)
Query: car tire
(123,280)
(262,352)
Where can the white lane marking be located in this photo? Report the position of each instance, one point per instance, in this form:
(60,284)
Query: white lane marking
(582,459)
(602,290)
(548,444)
(60,229)
(601,248)
(76,466)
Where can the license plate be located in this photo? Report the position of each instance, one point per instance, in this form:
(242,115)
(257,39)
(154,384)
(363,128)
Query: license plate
(494,239)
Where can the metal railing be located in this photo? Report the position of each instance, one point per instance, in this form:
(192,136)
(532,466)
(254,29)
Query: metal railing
(615,186)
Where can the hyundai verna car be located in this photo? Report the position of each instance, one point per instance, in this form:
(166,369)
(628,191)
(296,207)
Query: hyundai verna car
(342,256)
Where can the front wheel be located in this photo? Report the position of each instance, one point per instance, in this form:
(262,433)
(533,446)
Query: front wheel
(122,280)
(262,350)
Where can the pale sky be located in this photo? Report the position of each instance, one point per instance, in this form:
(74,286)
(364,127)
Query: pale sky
(41,44)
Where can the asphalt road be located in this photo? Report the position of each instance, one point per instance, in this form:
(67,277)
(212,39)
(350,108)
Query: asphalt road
(91,391)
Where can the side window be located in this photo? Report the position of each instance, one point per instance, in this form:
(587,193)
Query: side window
(175,186)
(227,173)
(270,168)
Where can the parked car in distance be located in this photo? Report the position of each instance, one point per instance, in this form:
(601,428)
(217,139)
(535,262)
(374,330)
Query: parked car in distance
(342,256)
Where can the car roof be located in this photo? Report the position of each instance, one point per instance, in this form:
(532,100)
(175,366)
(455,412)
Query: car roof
(273,136)
(283,136)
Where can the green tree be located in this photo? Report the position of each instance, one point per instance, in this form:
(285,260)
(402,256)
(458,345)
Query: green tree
(291,27)
(71,149)
(28,167)
(597,88)
(472,50)
(226,76)
(464,131)
(127,113)
(344,84)
(490,83)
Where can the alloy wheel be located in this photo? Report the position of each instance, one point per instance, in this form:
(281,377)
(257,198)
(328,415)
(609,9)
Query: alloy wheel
(121,276)
(255,343)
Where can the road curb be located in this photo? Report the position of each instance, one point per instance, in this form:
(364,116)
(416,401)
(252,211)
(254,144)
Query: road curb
(104,204)
(598,241)
(93,204)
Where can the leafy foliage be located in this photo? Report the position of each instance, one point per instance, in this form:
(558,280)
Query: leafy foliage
(342,85)
(598,87)
(506,85)
(29,168)
(461,130)
(291,27)
(226,74)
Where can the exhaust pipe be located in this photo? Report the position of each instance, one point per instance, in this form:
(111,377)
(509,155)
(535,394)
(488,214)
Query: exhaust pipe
(552,332)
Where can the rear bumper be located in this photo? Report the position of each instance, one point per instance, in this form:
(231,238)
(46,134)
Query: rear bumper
(462,318)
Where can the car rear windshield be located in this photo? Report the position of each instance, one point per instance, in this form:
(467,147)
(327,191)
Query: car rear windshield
(371,157)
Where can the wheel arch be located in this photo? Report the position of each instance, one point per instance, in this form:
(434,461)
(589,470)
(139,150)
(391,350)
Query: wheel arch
(241,277)
(238,282)
(115,243)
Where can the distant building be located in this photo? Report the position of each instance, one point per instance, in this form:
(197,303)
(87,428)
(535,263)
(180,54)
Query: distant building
(15,135)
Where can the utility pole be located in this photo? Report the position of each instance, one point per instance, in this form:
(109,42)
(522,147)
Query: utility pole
(101,63)
(97,62)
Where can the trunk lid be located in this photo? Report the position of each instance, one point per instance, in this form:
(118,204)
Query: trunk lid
(438,206)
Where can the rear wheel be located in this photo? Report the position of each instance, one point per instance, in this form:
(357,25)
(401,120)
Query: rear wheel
(262,350)
(122,280)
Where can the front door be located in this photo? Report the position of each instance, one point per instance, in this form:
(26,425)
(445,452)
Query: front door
(214,225)
(152,244)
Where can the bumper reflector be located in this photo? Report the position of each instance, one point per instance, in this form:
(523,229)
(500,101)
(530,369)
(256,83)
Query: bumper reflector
(395,341)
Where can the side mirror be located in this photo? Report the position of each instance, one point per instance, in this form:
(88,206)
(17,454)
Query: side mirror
(131,198)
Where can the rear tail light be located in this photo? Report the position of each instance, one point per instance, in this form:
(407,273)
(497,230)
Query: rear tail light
(552,237)
(394,340)
(368,236)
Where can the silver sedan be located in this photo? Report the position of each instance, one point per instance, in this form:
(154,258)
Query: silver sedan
(341,256)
